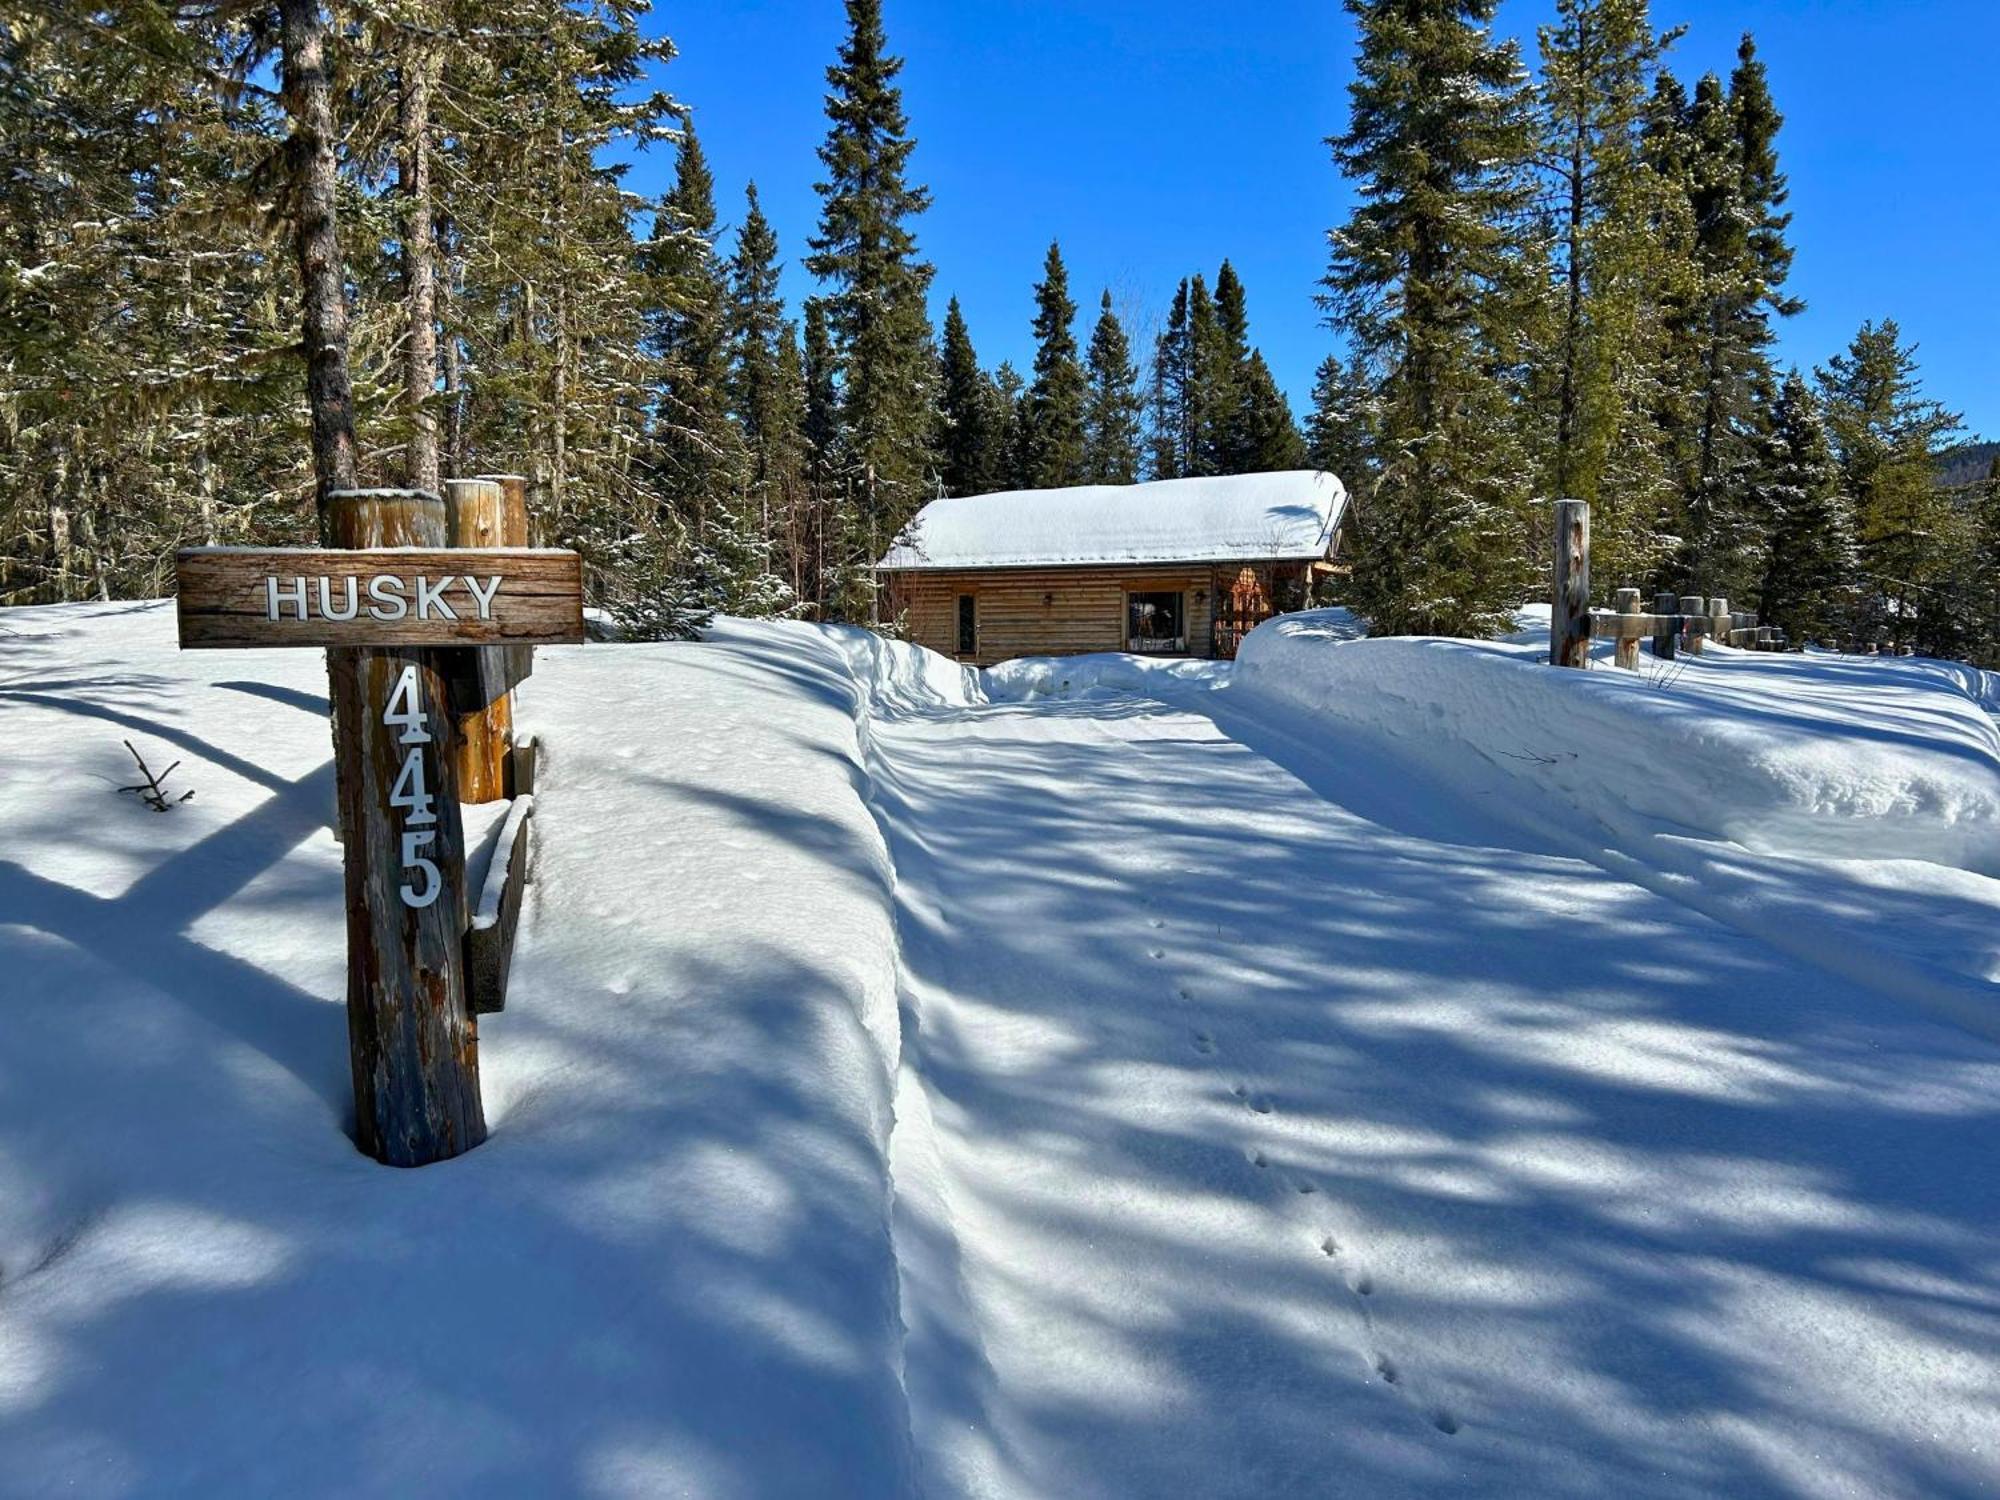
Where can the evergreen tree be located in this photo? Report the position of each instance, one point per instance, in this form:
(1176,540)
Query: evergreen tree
(1887,435)
(1009,394)
(1615,219)
(1269,439)
(1437,142)
(829,519)
(1209,386)
(866,250)
(1170,447)
(1054,436)
(1985,591)
(766,399)
(1111,418)
(1809,557)
(968,441)
(1338,431)
(697,454)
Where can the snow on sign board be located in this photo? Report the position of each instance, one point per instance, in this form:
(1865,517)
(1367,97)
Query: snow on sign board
(397,596)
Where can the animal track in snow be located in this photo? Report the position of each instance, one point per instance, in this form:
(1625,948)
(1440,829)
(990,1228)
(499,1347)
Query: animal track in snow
(1204,1044)
(1156,953)
(1386,1368)
(1444,1422)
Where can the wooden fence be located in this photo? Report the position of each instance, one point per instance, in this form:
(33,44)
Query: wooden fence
(1676,623)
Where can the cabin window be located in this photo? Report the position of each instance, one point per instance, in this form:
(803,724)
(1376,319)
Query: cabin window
(968,625)
(1156,622)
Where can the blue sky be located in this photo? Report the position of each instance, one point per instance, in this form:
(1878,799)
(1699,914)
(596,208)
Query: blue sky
(1155,137)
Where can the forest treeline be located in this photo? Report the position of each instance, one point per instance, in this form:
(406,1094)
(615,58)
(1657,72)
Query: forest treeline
(255,250)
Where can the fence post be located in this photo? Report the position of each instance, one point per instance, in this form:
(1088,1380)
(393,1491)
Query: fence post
(1569,610)
(412,1042)
(1718,621)
(1693,607)
(1664,609)
(1627,655)
(475,511)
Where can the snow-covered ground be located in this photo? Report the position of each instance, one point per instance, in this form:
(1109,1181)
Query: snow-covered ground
(1402,1070)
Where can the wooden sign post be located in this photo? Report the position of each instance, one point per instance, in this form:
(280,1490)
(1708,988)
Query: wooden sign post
(396,609)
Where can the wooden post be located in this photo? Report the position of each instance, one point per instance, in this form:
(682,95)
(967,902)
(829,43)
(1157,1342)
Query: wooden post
(1569,611)
(1692,610)
(1664,609)
(514,530)
(412,1040)
(475,512)
(1718,621)
(1627,650)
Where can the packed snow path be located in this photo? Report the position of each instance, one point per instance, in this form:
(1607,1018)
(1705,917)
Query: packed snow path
(1275,1123)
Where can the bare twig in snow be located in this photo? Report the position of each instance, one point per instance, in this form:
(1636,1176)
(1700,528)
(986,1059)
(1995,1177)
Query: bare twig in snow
(153,790)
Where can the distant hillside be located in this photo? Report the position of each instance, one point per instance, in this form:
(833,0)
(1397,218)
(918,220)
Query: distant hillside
(1967,463)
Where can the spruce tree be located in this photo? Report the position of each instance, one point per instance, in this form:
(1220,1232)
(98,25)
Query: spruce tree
(1986,569)
(763,383)
(1269,439)
(866,251)
(1887,435)
(1615,223)
(1111,418)
(1809,556)
(968,441)
(1437,143)
(1170,442)
(1054,436)
(1010,408)
(828,474)
(1338,431)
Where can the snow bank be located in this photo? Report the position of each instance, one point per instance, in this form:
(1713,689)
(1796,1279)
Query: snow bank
(1107,674)
(1784,791)
(1778,753)
(1254,517)
(669,1271)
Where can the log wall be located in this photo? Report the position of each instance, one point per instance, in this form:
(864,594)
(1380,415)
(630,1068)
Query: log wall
(1051,611)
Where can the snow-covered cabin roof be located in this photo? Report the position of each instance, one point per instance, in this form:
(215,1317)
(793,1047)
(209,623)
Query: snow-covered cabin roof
(1288,516)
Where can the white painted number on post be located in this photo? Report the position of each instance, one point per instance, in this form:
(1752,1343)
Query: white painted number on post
(405,711)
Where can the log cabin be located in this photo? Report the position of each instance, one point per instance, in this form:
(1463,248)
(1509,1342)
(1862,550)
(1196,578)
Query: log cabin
(1176,567)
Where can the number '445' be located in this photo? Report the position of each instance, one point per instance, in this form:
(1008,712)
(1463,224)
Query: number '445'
(405,711)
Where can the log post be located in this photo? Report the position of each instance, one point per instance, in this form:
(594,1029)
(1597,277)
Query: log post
(1628,635)
(475,511)
(412,1041)
(1569,610)
(1693,607)
(1664,609)
(1718,621)
(514,529)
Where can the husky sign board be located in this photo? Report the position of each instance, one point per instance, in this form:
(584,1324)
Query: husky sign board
(389,596)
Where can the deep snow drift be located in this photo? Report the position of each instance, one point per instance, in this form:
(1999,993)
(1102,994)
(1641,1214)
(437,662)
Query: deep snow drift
(1086,1078)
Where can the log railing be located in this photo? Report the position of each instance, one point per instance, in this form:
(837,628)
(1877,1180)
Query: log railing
(1676,623)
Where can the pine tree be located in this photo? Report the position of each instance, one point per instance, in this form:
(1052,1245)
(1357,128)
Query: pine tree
(828,480)
(1209,385)
(968,441)
(1809,557)
(1437,141)
(866,250)
(766,399)
(1111,417)
(1887,435)
(1615,218)
(1985,591)
(1269,439)
(1054,437)
(1338,431)
(1010,410)
(1170,445)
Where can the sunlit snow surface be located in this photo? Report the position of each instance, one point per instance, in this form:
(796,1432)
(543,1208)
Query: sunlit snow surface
(1400,1070)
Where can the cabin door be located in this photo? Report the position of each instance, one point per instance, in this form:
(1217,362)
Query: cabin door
(1241,605)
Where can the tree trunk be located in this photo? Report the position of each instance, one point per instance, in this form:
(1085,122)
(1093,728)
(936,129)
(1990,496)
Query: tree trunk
(413,181)
(329,392)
